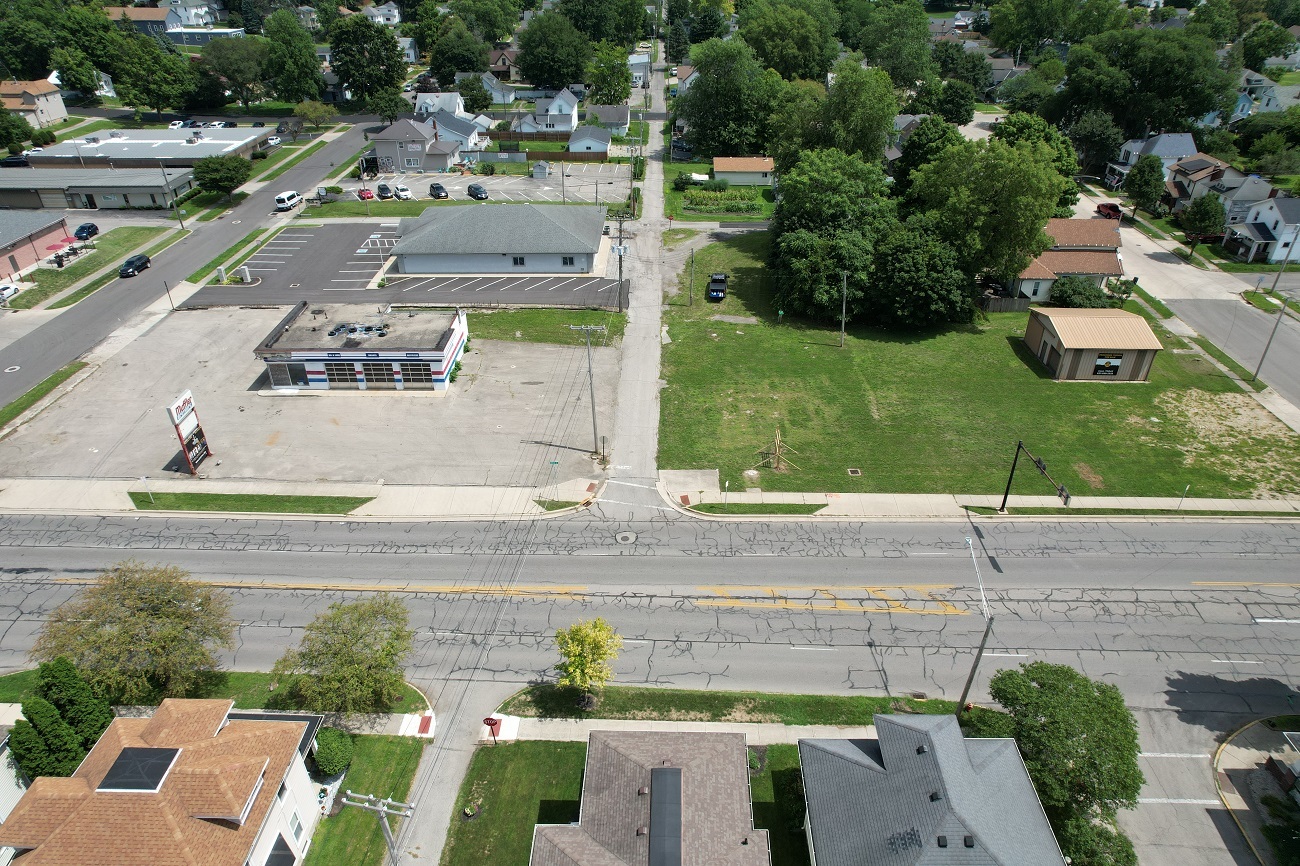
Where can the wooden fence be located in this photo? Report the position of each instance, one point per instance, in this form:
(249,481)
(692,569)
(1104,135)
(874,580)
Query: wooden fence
(1004,305)
(507,135)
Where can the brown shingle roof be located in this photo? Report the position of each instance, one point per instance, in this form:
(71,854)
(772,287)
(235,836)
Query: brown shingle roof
(1037,271)
(1082,262)
(35,88)
(716,823)
(1099,329)
(743,163)
(136,13)
(67,822)
(1101,234)
(174,723)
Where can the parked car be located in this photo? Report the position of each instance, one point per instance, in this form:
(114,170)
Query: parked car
(403,192)
(133,265)
(194,124)
(384,191)
(258,124)
(673,72)
(437,190)
(216,124)
(365,194)
(287,200)
(273,141)
(176,124)
(717,289)
(29,151)
(477,192)
(282,127)
(1109,209)
(408,87)
(86,231)
(14,162)
(7,292)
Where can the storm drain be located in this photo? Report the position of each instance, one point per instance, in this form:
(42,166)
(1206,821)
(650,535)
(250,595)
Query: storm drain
(625,538)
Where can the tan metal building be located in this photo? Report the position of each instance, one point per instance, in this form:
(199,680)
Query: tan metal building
(1105,345)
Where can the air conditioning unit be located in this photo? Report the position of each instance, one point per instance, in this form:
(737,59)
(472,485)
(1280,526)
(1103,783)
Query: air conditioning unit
(116,134)
(92,139)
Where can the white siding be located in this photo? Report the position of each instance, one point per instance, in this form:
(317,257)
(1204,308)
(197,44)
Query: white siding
(485,263)
(298,796)
(745,178)
(11,791)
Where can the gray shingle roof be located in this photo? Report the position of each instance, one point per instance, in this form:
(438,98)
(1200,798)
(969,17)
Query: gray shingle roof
(598,133)
(404,130)
(16,225)
(1170,145)
(458,125)
(615,114)
(1289,208)
(89,178)
(887,801)
(515,229)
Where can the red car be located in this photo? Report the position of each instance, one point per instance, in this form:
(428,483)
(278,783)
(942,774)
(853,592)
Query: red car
(1109,210)
(365,194)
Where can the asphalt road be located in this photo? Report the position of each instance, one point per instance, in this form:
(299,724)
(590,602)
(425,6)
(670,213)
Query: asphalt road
(1242,331)
(83,326)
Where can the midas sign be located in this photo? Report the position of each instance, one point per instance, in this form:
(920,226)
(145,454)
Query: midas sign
(181,408)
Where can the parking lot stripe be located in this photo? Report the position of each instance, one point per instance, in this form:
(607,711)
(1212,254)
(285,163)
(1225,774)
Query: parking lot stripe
(266,262)
(356,271)
(350,280)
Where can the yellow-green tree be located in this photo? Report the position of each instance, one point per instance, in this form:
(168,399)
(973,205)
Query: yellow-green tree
(586,650)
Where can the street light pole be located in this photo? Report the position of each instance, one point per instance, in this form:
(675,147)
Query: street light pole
(591,384)
(175,203)
(988,629)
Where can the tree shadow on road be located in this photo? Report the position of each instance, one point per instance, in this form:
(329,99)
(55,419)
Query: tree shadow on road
(1221,705)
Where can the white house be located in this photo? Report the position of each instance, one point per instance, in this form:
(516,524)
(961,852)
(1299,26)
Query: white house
(686,76)
(390,15)
(432,103)
(1268,233)
(745,170)
(464,132)
(307,17)
(195,13)
(504,239)
(558,114)
(589,139)
(1169,146)
(615,118)
(407,45)
(502,93)
(640,66)
(1087,248)
(196,783)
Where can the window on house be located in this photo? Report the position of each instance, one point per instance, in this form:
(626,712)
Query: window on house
(566,261)
(412,162)
(518,261)
(295,824)
(1274,225)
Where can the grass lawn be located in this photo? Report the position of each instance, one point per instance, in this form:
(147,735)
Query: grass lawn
(513,787)
(989,108)
(301,154)
(109,247)
(697,705)
(46,385)
(940,411)
(756,508)
(673,199)
(251,502)
(546,326)
(1222,357)
(345,167)
(219,204)
(555,504)
(275,157)
(383,766)
(18,687)
(1154,303)
(673,237)
(779,804)
(211,266)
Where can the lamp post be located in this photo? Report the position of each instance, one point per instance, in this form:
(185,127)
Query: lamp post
(175,203)
(988,629)
(595,183)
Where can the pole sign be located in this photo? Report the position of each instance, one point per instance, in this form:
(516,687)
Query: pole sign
(185,420)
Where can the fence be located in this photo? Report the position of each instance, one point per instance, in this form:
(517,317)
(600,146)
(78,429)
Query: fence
(1003,305)
(507,135)
(565,156)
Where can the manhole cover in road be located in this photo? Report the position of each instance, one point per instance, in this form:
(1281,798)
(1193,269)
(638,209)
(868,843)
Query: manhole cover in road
(12,369)
(626,537)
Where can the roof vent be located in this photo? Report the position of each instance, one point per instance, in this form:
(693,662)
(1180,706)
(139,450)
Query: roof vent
(642,791)
(969,841)
(641,831)
(934,797)
(115,133)
(921,750)
(92,139)
(943,841)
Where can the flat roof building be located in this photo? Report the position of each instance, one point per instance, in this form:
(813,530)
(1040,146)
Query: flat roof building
(1105,345)
(149,148)
(359,347)
(92,187)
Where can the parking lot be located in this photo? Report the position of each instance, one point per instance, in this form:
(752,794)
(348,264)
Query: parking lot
(568,181)
(327,258)
(512,291)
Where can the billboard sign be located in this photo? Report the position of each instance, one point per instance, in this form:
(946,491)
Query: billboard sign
(181,408)
(185,420)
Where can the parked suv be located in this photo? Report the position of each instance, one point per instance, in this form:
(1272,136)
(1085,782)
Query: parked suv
(717,289)
(1109,209)
(15,162)
(437,190)
(384,191)
(133,265)
(477,192)
(86,231)
(403,192)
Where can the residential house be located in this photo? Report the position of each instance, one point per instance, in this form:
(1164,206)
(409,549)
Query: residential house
(507,238)
(1279,98)
(1239,196)
(1292,60)
(407,46)
(502,93)
(464,132)
(1190,178)
(1005,69)
(1086,248)
(685,78)
(640,66)
(145,19)
(921,793)
(589,139)
(12,786)
(964,20)
(558,114)
(324,55)
(1268,233)
(38,102)
(196,13)
(1169,146)
(904,126)
(196,783)
(307,17)
(389,14)
(1083,345)
(407,146)
(745,170)
(615,118)
(105,88)
(202,35)
(503,63)
(659,798)
(432,103)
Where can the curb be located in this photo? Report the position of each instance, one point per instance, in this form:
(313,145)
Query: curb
(1214,768)
(427,703)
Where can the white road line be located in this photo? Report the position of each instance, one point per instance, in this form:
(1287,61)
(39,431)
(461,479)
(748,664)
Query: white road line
(265,270)
(266,262)
(1263,621)
(1174,801)
(815,649)
(1008,655)
(1197,755)
(630,484)
(929,553)
(354,280)
(356,271)
(1234,662)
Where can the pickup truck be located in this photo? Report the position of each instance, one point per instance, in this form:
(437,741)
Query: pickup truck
(717,289)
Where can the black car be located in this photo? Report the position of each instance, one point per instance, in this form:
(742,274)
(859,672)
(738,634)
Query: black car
(15,162)
(477,192)
(282,127)
(133,266)
(384,191)
(257,124)
(86,231)
(437,190)
(717,289)
(194,124)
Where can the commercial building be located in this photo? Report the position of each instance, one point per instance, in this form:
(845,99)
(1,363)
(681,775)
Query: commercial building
(357,347)
(921,793)
(26,238)
(659,798)
(196,783)
(500,239)
(1106,345)
(150,148)
(39,102)
(92,187)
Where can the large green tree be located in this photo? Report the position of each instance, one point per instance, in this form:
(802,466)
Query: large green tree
(153,78)
(989,201)
(456,50)
(1216,19)
(474,94)
(388,105)
(1096,138)
(1263,41)
(241,65)
(141,631)
(292,67)
(794,37)
(366,57)
(222,174)
(896,38)
(76,72)
(1145,182)
(1203,218)
(609,76)
(955,62)
(1018,127)
(617,21)
(55,750)
(728,105)
(932,136)
(351,657)
(796,124)
(15,131)
(860,110)
(916,283)
(552,52)
(25,47)
(490,20)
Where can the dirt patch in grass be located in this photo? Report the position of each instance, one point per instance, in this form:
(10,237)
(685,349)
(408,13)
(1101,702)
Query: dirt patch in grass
(1084,471)
(1235,435)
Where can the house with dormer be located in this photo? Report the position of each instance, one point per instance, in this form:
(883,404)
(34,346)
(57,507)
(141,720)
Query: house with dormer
(389,14)
(557,114)
(464,132)
(1085,248)
(1268,233)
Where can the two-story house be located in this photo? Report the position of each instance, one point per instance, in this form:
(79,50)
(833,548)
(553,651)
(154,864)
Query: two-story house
(307,17)
(503,63)
(558,114)
(145,19)
(1169,146)
(615,118)
(1268,233)
(407,146)
(1199,174)
(460,130)
(389,14)
(431,103)
(195,13)
(38,102)
(1080,248)
(501,92)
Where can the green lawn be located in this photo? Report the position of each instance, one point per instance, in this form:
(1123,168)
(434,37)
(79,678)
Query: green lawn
(989,108)
(697,705)
(1268,303)
(249,502)
(777,795)
(45,386)
(673,205)
(109,247)
(756,508)
(345,167)
(298,157)
(275,157)
(940,411)
(512,787)
(215,204)
(1222,357)
(211,266)
(18,687)
(555,504)
(383,766)
(546,326)
(1155,303)
(673,237)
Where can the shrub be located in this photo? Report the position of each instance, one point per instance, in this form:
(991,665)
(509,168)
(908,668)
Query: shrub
(257,154)
(60,683)
(334,190)
(61,752)
(455,372)
(485,168)
(355,174)
(1079,292)
(682,182)
(728,201)
(716,185)
(43,137)
(333,751)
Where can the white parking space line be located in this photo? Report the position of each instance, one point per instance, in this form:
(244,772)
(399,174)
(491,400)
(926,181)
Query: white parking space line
(356,271)
(1197,755)
(1262,621)
(1234,662)
(1173,801)
(264,270)
(350,280)
(266,262)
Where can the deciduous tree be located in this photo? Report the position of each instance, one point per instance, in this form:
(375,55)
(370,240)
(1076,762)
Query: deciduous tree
(916,283)
(1096,138)
(794,37)
(489,20)
(316,113)
(552,52)
(241,64)
(728,105)
(1018,127)
(350,658)
(292,68)
(14,131)
(153,78)
(797,123)
(1216,20)
(366,57)
(388,105)
(456,50)
(954,62)
(1074,291)
(76,72)
(586,650)
(609,76)
(1263,41)
(931,137)
(474,94)
(860,110)
(1203,218)
(896,38)
(223,174)
(1145,182)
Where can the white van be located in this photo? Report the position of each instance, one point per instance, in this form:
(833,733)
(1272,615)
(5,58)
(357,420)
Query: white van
(287,200)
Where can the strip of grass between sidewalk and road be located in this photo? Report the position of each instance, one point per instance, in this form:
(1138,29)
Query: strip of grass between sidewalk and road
(247,502)
(104,279)
(276,157)
(555,504)
(345,167)
(546,326)
(197,276)
(1270,303)
(757,508)
(385,767)
(109,247)
(1153,302)
(986,511)
(297,158)
(222,203)
(44,387)
(689,705)
(1246,377)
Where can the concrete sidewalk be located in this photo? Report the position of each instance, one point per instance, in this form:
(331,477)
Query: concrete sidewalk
(1241,777)
(757,734)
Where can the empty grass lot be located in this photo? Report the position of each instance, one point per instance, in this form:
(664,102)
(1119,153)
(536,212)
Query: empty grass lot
(547,326)
(383,766)
(109,248)
(779,806)
(940,412)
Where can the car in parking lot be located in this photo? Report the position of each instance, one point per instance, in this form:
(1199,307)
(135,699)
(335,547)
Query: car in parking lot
(86,231)
(477,192)
(365,194)
(282,127)
(273,141)
(384,191)
(402,192)
(15,161)
(215,124)
(176,124)
(134,265)
(194,124)
(258,124)
(437,190)
(7,292)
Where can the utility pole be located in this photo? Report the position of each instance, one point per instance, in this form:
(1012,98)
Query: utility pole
(175,203)
(591,385)
(844,303)
(383,808)
(620,261)
(988,629)
(690,287)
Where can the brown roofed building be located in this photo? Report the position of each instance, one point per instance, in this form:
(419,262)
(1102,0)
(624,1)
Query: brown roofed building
(654,798)
(195,785)
(1106,345)
(39,102)
(744,170)
(147,19)
(1086,248)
